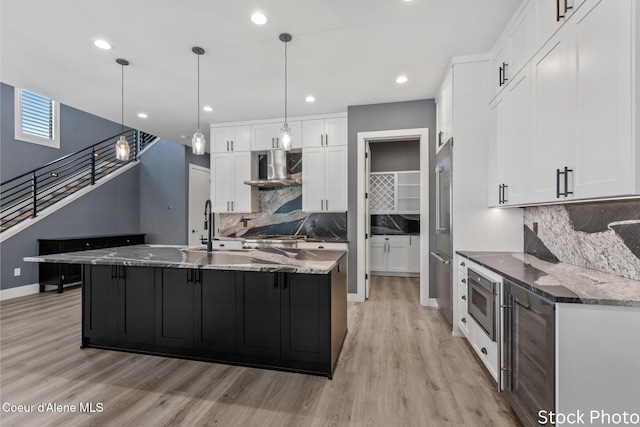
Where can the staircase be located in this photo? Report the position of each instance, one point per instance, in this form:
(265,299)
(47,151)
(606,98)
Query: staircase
(30,194)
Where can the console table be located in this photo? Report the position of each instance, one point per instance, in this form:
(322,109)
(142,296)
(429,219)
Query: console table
(62,274)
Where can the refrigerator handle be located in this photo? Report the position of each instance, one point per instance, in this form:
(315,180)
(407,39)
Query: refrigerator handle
(439,258)
(438,170)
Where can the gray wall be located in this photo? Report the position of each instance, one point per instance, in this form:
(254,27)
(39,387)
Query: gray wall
(112,208)
(395,156)
(78,130)
(379,117)
(164,193)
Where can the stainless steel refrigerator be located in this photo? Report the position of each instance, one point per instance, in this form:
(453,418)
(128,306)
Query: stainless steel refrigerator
(442,253)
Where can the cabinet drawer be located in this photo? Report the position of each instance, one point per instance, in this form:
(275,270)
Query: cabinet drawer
(486,349)
(229,245)
(463,319)
(323,245)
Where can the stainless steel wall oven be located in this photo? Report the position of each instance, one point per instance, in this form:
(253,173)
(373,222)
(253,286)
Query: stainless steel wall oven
(482,294)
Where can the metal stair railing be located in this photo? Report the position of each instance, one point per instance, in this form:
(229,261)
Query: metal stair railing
(26,195)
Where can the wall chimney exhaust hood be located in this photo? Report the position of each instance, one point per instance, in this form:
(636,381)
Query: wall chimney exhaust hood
(277,175)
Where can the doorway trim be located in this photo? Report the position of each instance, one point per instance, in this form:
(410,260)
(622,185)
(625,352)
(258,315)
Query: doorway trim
(364,138)
(193,167)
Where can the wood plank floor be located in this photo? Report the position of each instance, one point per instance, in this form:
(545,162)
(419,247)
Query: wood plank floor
(399,367)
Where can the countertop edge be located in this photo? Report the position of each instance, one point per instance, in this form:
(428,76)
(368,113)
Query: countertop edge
(539,291)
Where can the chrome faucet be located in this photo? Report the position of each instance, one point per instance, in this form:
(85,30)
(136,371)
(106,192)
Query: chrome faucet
(208,223)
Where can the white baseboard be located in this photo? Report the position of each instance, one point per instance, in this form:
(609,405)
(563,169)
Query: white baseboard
(19,291)
(354,298)
(431,302)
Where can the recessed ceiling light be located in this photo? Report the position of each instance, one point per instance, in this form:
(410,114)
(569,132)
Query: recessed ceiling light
(102,44)
(142,115)
(310,98)
(207,109)
(401,79)
(258,18)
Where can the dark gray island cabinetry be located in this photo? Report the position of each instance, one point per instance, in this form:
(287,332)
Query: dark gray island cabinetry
(282,309)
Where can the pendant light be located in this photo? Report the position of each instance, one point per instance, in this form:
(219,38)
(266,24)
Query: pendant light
(285,132)
(122,146)
(198,142)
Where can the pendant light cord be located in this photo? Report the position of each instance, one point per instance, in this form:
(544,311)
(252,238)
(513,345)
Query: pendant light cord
(198,105)
(122,99)
(285,83)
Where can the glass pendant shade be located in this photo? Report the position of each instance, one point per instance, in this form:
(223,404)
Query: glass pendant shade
(198,143)
(122,149)
(285,137)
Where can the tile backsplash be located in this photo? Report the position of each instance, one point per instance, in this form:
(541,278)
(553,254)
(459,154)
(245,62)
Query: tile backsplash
(280,213)
(603,236)
(395,224)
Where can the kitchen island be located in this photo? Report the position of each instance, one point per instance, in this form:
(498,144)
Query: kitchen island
(271,308)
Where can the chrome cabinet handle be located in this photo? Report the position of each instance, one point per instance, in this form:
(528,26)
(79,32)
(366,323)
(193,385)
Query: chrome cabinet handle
(326,139)
(321,204)
(326,204)
(277,142)
(464,297)
(231,206)
(321,139)
(273,143)
(483,350)
(231,145)
(464,280)
(227,206)
(228,146)
(464,320)
(462,264)
(222,245)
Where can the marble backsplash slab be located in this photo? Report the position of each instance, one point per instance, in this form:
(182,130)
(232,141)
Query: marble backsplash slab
(603,236)
(395,224)
(280,213)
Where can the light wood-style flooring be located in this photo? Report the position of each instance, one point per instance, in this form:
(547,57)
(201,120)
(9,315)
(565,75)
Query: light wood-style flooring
(400,366)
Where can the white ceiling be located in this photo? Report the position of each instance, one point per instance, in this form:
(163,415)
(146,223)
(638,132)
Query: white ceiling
(344,52)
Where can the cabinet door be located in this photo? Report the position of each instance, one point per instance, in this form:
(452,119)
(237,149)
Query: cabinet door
(601,38)
(312,134)
(313,180)
(174,307)
(553,139)
(497,147)
(398,254)
(100,298)
(244,196)
(499,56)
(222,166)
(521,40)
(220,140)
(240,138)
(335,178)
(335,132)
(136,304)
(414,254)
(258,314)
(378,256)
(518,159)
(551,15)
(306,326)
(263,137)
(215,311)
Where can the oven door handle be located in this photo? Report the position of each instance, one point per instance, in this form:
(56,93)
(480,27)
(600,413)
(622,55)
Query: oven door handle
(439,258)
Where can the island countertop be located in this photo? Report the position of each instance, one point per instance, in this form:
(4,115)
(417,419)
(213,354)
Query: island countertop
(265,260)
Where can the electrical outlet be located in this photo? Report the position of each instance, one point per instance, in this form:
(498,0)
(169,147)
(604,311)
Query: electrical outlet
(535,228)
(17,271)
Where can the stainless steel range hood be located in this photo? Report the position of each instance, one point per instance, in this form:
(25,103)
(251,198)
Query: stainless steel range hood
(277,175)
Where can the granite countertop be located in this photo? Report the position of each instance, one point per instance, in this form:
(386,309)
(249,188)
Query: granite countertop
(265,260)
(560,282)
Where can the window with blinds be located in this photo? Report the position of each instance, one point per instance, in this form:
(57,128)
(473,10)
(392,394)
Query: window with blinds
(36,119)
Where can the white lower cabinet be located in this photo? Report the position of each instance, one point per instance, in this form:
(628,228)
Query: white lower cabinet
(324,179)
(393,255)
(414,254)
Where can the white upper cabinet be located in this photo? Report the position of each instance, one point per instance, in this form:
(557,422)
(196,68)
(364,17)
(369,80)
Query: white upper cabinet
(551,15)
(581,140)
(521,40)
(324,132)
(551,102)
(509,148)
(324,179)
(601,35)
(231,138)
(267,136)
(498,60)
(444,113)
(229,192)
